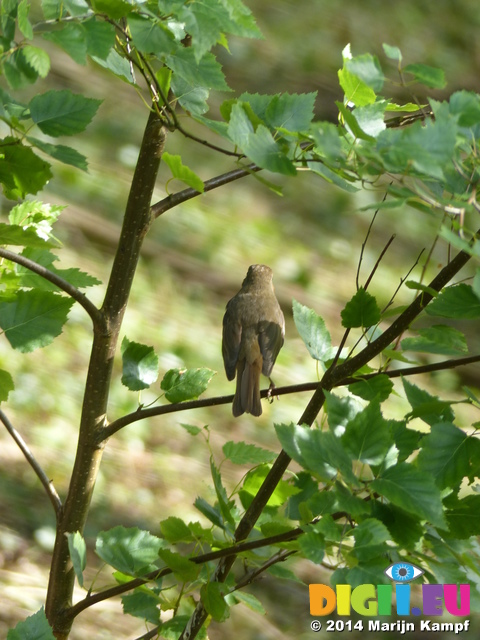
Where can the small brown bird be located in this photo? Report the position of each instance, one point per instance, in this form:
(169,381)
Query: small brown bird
(253,332)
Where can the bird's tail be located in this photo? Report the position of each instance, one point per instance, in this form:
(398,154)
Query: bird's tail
(247,393)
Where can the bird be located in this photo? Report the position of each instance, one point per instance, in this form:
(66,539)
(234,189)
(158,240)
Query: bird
(253,334)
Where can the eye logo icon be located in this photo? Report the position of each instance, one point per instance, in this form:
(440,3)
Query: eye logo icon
(403,572)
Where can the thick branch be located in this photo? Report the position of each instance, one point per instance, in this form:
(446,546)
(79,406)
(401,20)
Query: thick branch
(64,285)
(42,476)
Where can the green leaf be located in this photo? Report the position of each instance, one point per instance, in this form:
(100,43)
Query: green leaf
(23,21)
(192,98)
(249,600)
(379,387)
(463,517)
(393,53)
(13,234)
(205,73)
(175,530)
(185,384)
(116,64)
(340,410)
(78,554)
(35,627)
(356,91)
(21,171)
(38,216)
(312,546)
(151,37)
(192,430)
(405,529)
(182,172)
(367,69)
(33,318)
(425,406)
(38,59)
(313,331)
(318,451)
(131,551)
(254,480)
(444,455)
(361,311)
(439,339)
(212,594)
(100,37)
(72,38)
(114,9)
(411,490)
(140,365)
(243,453)
(224,503)
(367,436)
(62,113)
(458,301)
(211,513)
(264,151)
(142,604)
(6,385)
(370,536)
(60,152)
(183,568)
(291,111)
(429,76)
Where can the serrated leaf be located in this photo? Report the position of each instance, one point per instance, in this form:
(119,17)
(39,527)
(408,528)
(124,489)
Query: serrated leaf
(35,627)
(205,73)
(440,339)
(175,530)
(430,76)
(131,551)
(361,311)
(192,430)
(340,410)
(114,9)
(425,406)
(224,503)
(182,172)
(211,513)
(379,387)
(192,98)
(212,594)
(444,455)
(183,568)
(6,385)
(13,234)
(186,384)
(38,59)
(116,64)
(100,37)
(61,152)
(411,490)
(140,365)
(254,480)
(78,554)
(72,38)
(292,112)
(367,69)
(21,171)
(463,517)
(370,536)
(142,604)
(264,151)
(62,113)
(243,453)
(250,601)
(151,36)
(23,21)
(33,318)
(367,436)
(313,331)
(458,301)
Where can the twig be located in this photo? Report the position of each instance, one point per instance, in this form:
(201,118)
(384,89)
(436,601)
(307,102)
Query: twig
(143,414)
(187,194)
(42,476)
(94,313)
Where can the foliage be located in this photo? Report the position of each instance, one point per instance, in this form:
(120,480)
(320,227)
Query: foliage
(371,490)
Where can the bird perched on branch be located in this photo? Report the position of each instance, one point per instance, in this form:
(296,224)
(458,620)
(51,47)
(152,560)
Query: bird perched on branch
(253,333)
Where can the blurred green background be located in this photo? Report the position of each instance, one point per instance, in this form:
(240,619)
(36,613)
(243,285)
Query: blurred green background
(193,261)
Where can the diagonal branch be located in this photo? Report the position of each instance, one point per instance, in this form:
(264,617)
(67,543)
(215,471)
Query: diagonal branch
(33,462)
(94,313)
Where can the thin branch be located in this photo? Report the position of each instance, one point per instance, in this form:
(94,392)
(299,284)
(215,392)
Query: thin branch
(42,476)
(94,313)
(377,263)
(143,414)
(187,194)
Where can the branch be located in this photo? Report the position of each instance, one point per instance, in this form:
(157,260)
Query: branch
(47,484)
(187,194)
(94,313)
(142,414)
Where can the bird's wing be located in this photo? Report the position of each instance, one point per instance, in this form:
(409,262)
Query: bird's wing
(270,339)
(231,340)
